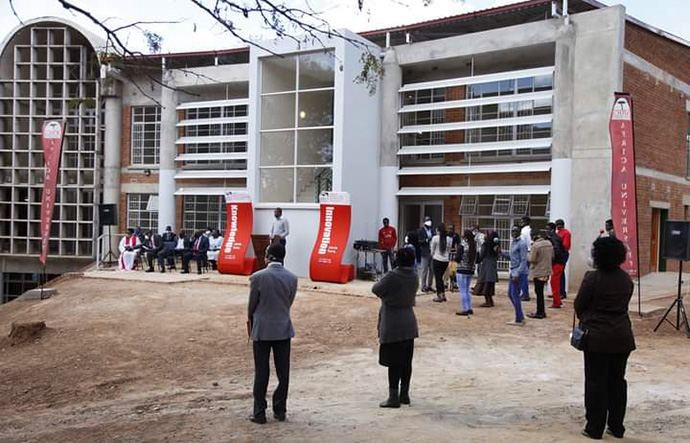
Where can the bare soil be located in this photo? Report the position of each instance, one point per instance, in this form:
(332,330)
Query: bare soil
(145,362)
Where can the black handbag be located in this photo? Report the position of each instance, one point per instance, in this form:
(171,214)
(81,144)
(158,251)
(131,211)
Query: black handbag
(578,336)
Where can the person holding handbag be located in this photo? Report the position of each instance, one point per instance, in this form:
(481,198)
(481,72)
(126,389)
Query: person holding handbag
(602,308)
(397,326)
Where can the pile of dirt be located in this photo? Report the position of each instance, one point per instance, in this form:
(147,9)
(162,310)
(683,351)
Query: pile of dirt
(22,333)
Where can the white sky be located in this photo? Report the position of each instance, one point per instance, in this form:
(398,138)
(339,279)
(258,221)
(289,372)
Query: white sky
(196,32)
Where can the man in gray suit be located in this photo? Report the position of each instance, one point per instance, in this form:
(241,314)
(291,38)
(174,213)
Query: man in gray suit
(272,292)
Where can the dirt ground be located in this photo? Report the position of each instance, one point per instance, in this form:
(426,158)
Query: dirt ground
(171,363)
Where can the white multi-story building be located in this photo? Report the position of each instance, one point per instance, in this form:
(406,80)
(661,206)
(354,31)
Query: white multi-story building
(479,119)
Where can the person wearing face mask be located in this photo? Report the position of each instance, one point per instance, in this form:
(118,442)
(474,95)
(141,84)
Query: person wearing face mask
(280,228)
(488,274)
(424,236)
(169,244)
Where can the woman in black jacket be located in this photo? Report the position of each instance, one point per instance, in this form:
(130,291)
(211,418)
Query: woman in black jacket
(602,307)
(397,327)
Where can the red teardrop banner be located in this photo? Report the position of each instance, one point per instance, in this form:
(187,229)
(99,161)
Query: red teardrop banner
(334,231)
(238,234)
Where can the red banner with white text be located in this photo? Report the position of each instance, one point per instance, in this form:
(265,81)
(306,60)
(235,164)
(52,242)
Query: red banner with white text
(53,135)
(238,235)
(334,231)
(623,187)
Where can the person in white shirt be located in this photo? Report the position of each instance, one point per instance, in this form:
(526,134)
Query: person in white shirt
(280,228)
(526,236)
(439,249)
(215,241)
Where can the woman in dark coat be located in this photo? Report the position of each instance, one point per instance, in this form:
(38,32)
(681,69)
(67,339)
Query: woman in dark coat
(397,326)
(602,307)
(488,272)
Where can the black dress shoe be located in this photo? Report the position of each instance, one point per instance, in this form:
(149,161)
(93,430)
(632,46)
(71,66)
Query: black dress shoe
(404,399)
(149,270)
(588,435)
(537,316)
(615,434)
(280,417)
(184,272)
(258,419)
(465,313)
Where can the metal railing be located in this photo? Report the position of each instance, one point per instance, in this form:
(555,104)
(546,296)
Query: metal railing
(105,253)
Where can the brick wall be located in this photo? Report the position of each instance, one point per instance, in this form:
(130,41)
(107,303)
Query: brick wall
(660,130)
(660,122)
(455,115)
(533,178)
(651,189)
(666,54)
(126,136)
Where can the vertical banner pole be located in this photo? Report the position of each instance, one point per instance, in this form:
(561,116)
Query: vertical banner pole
(624,185)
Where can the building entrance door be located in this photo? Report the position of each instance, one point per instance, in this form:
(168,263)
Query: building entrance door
(413,214)
(657,260)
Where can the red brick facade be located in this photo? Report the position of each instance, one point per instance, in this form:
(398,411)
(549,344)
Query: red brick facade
(666,54)
(661,125)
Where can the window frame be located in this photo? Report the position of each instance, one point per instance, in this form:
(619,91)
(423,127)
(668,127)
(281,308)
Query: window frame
(296,129)
(156,131)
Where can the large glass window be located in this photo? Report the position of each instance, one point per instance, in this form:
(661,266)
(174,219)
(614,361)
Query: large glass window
(296,143)
(203,211)
(142,211)
(146,129)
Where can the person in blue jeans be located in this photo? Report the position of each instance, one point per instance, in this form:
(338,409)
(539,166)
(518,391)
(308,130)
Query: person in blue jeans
(519,270)
(466,257)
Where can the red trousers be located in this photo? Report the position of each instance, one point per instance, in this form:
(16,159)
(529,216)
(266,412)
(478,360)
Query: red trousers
(556,272)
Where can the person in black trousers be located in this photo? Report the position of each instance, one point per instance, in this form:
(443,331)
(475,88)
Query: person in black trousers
(272,292)
(602,307)
(397,326)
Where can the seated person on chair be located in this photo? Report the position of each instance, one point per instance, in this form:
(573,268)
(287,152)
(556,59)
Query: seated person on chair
(215,241)
(199,247)
(169,245)
(153,248)
(129,247)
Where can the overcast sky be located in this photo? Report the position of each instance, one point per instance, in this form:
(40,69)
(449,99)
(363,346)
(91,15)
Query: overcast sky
(196,32)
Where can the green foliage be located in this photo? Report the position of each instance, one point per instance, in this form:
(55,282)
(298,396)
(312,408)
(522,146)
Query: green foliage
(372,71)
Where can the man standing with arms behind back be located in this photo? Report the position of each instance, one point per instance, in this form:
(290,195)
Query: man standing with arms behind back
(388,239)
(280,228)
(272,292)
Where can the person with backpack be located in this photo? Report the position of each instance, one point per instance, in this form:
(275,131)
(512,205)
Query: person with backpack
(557,266)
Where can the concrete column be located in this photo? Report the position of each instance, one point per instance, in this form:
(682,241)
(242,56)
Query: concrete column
(168,152)
(388,159)
(597,74)
(111,91)
(112,155)
(561,150)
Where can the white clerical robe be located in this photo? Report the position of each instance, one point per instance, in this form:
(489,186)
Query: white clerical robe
(214,245)
(127,257)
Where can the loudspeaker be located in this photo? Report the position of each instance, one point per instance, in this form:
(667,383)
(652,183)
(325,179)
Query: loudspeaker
(107,214)
(677,240)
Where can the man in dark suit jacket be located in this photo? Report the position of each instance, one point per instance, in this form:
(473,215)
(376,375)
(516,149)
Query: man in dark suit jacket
(198,252)
(152,248)
(272,291)
(425,233)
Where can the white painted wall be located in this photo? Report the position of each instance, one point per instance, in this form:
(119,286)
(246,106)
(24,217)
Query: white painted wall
(304,226)
(355,153)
